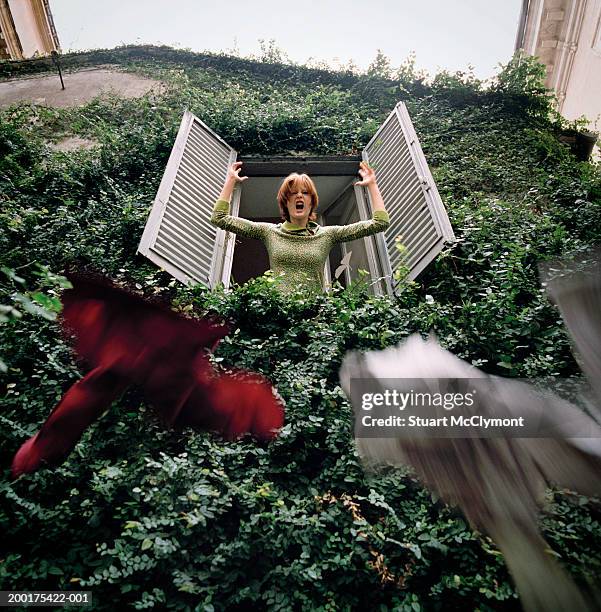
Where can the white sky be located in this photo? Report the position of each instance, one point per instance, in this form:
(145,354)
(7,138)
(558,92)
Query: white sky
(446,34)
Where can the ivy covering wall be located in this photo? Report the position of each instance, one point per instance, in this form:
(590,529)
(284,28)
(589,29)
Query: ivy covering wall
(151,518)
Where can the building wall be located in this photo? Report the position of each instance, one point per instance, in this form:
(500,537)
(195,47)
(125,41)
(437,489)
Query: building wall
(27,28)
(4,50)
(10,44)
(583,90)
(566,36)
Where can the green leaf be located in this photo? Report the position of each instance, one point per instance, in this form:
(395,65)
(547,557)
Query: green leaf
(12,275)
(49,302)
(146,544)
(133,525)
(34,308)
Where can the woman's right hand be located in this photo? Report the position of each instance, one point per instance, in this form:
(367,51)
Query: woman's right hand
(232,178)
(233,173)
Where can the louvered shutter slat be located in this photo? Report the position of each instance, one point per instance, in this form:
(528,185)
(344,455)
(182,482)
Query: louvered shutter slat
(187,179)
(206,155)
(420,232)
(175,219)
(194,219)
(198,170)
(193,175)
(391,148)
(175,230)
(412,203)
(171,238)
(392,176)
(187,190)
(212,148)
(201,163)
(418,217)
(184,259)
(416,211)
(178,236)
(394,141)
(407,193)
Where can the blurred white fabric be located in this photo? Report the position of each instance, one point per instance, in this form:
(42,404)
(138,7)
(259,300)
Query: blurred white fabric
(499,482)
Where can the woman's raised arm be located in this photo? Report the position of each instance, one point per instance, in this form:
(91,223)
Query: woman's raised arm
(380,220)
(221,212)
(368,177)
(233,177)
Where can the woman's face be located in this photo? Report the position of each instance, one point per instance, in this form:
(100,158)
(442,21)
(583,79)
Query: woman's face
(299,205)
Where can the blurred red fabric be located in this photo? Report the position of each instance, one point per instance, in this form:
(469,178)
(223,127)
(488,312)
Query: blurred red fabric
(130,340)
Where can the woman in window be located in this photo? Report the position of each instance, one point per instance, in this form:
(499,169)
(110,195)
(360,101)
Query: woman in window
(298,247)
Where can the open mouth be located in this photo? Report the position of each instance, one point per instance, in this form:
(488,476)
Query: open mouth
(299,206)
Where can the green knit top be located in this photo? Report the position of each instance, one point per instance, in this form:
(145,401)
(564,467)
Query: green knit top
(298,255)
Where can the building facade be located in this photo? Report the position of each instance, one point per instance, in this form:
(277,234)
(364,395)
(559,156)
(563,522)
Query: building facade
(26,29)
(566,36)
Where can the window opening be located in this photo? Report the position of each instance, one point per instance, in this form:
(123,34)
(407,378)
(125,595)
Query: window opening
(258,202)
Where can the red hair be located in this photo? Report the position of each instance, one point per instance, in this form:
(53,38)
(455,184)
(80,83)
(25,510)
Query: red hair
(291,183)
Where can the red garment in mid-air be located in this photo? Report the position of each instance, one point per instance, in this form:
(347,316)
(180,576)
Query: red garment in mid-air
(128,340)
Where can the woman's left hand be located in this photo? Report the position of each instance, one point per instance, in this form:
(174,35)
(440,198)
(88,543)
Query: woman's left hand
(367,174)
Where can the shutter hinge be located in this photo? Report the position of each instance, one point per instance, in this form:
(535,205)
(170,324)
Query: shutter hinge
(424,183)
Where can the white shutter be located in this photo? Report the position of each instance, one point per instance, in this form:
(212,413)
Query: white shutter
(416,211)
(178,236)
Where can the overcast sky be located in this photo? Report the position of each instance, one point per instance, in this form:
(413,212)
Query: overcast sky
(446,34)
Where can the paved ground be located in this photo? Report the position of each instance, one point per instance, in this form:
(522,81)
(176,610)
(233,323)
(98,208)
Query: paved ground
(72,143)
(80,87)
